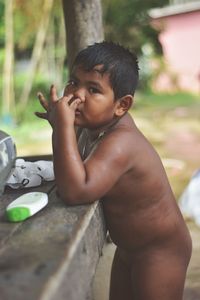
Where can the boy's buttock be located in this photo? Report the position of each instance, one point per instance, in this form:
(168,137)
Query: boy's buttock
(179,251)
(155,272)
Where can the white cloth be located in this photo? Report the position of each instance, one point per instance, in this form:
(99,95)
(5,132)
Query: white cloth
(27,174)
(190,199)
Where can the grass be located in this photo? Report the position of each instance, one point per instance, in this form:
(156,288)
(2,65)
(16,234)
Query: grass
(165,100)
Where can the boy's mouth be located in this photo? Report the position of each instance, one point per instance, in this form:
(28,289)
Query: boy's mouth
(77,112)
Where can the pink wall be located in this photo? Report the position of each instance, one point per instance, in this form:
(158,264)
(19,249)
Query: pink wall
(180,39)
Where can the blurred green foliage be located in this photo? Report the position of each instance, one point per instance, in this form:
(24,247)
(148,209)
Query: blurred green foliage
(2,25)
(125,22)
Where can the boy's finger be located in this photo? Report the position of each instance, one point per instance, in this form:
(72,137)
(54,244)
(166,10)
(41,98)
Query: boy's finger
(68,99)
(75,103)
(41,115)
(43,101)
(53,93)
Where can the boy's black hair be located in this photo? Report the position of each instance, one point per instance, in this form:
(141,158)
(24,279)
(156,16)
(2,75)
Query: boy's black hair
(118,62)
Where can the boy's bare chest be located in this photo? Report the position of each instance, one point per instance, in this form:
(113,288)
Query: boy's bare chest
(86,144)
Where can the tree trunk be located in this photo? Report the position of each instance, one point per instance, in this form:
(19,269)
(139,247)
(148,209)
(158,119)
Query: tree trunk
(60,58)
(37,51)
(83,23)
(8,86)
(51,52)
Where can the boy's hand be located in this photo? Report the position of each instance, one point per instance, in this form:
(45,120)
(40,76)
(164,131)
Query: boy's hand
(58,111)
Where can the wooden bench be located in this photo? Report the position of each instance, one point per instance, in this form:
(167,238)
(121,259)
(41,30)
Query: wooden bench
(53,254)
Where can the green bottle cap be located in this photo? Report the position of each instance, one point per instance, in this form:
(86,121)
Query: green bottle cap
(17,214)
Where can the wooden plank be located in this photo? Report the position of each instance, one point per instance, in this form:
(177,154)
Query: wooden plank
(37,157)
(7,229)
(58,242)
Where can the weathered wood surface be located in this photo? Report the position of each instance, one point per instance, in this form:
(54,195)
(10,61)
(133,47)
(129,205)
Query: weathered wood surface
(53,254)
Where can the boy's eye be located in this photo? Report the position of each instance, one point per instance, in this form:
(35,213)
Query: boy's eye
(93,90)
(71,82)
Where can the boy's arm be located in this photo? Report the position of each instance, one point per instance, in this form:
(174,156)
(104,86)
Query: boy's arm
(81,182)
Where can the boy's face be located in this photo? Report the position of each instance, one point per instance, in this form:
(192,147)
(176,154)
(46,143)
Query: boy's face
(97,107)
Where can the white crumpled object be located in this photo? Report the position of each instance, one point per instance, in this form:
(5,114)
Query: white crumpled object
(190,199)
(27,174)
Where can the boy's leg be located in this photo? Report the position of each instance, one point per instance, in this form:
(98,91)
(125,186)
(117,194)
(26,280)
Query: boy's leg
(120,282)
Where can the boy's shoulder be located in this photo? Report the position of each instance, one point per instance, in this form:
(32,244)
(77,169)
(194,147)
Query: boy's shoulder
(126,139)
(118,140)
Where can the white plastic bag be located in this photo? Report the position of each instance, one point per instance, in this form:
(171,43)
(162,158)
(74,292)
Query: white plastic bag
(190,199)
(29,174)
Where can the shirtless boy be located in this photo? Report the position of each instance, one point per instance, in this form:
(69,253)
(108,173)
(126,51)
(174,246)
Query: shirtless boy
(108,158)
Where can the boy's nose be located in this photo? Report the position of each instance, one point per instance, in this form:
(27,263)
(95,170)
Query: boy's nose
(80,93)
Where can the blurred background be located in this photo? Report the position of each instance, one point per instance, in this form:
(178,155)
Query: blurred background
(165,34)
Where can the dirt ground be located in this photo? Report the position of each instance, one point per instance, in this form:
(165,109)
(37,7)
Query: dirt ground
(176,137)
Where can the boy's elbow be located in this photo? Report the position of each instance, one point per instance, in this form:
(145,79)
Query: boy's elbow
(75,198)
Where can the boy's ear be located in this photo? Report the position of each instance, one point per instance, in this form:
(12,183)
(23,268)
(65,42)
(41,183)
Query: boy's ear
(123,105)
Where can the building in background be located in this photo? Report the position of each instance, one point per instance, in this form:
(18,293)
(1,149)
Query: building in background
(179,25)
